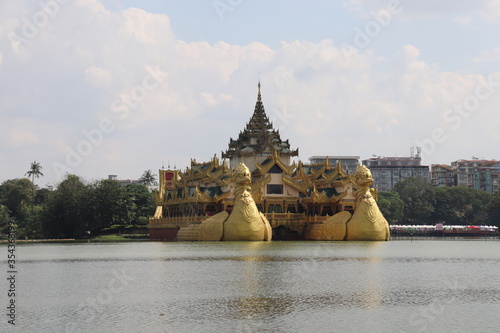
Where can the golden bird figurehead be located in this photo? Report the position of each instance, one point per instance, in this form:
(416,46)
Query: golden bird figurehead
(242,174)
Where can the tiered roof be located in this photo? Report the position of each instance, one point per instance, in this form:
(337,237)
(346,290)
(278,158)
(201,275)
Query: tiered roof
(259,136)
(208,181)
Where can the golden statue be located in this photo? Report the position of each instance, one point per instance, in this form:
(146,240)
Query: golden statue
(245,223)
(367,222)
(209,230)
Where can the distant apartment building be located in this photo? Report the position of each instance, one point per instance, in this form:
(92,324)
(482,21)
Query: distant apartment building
(481,174)
(442,175)
(465,171)
(387,171)
(487,177)
(349,163)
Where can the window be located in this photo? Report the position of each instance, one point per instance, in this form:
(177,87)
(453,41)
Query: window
(274,189)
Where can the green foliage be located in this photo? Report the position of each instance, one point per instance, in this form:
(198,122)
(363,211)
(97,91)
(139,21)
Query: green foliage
(108,203)
(4,218)
(448,205)
(41,196)
(140,203)
(17,196)
(109,238)
(66,212)
(31,226)
(494,210)
(76,209)
(460,205)
(391,206)
(142,220)
(148,178)
(34,171)
(18,201)
(418,197)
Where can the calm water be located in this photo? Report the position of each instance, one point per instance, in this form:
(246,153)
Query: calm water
(396,286)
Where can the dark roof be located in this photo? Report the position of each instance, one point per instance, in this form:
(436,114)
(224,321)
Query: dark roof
(258,136)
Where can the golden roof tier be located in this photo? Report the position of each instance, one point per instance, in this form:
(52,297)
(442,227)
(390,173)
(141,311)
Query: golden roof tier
(259,138)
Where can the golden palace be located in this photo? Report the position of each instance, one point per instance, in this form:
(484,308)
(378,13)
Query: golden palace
(256,194)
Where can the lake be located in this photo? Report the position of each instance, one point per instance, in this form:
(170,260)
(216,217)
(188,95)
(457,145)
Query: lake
(397,286)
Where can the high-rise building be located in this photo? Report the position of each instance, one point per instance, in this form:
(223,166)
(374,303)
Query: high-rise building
(487,177)
(465,171)
(481,174)
(387,171)
(442,175)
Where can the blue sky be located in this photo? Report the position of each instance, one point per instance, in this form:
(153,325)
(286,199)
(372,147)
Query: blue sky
(95,87)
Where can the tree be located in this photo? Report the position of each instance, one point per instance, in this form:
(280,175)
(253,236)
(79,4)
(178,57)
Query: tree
(4,218)
(140,203)
(17,195)
(34,171)
(494,210)
(148,178)
(67,213)
(41,196)
(391,206)
(418,197)
(108,203)
(460,205)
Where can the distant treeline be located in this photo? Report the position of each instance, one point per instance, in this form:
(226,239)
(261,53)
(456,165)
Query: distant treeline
(415,201)
(76,209)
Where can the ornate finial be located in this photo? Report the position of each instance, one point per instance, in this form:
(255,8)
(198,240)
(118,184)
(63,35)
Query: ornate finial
(258,95)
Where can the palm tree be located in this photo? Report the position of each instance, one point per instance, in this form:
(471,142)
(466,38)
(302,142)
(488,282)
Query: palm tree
(148,178)
(34,171)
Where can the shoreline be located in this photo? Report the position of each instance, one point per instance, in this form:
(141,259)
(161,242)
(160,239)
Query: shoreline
(104,240)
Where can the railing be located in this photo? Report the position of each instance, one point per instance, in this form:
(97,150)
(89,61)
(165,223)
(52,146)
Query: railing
(179,220)
(292,221)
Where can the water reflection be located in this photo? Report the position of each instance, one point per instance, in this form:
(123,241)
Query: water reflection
(373,290)
(263,286)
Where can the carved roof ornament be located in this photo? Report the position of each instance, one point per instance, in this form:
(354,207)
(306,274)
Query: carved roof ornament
(266,165)
(258,136)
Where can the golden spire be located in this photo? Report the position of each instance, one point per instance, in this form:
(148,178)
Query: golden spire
(258,95)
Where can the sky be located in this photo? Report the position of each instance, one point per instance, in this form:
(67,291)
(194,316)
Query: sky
(114,87)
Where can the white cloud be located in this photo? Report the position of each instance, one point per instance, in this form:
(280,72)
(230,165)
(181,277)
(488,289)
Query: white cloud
(145,27)
(492,55)
(205,93)
(21,136)
(490,12)
(98,77)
